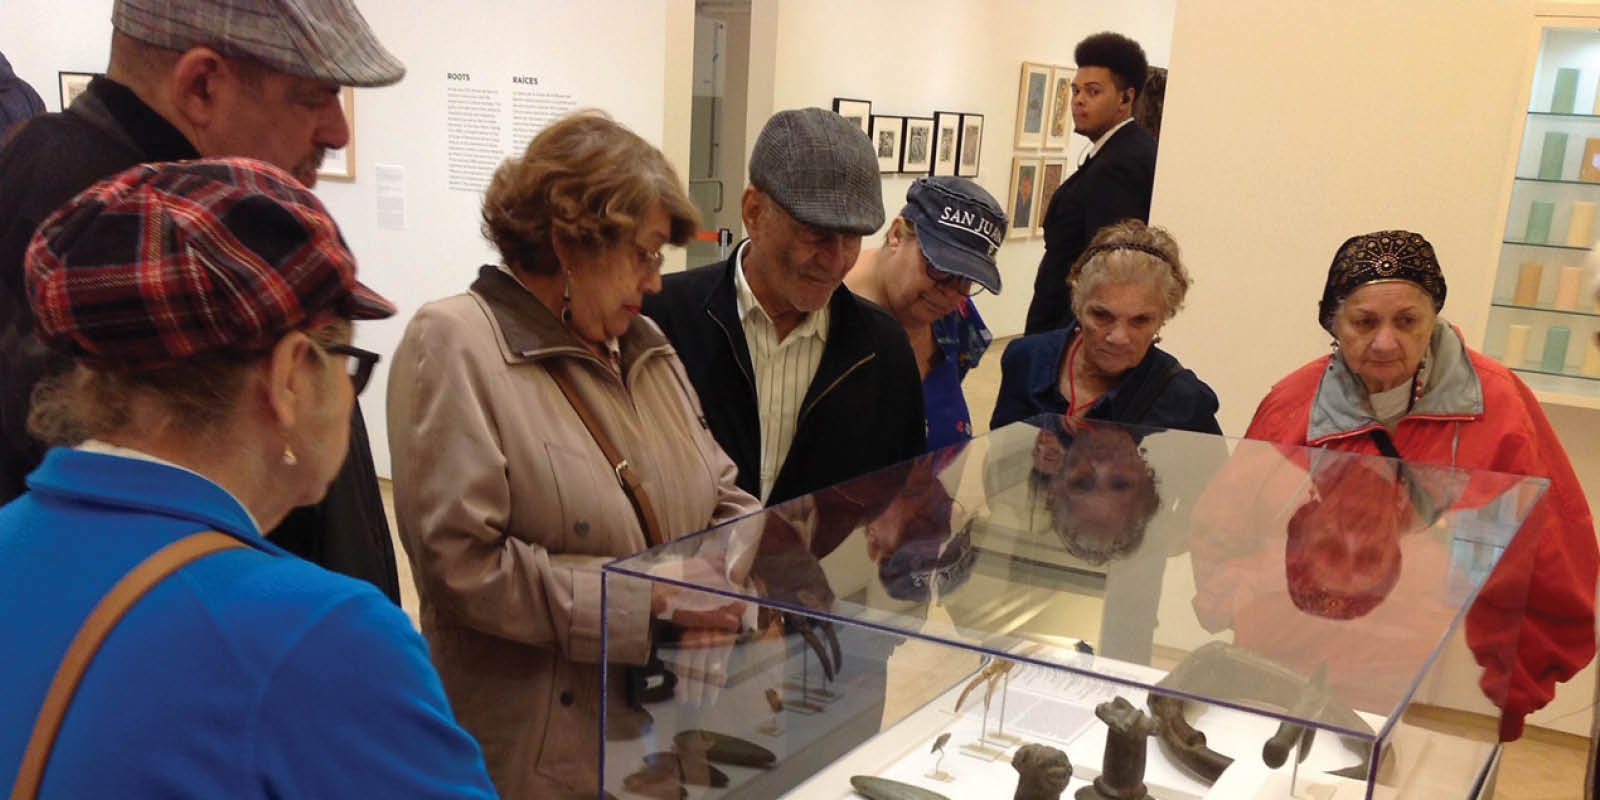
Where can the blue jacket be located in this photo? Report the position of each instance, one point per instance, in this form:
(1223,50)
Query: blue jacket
(1030,370)
(248,673)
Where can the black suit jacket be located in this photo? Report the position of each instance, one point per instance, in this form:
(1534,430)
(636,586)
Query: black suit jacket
(1112,186)
(862,412)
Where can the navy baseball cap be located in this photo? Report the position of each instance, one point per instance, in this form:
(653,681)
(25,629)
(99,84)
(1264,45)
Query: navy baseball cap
(959,227)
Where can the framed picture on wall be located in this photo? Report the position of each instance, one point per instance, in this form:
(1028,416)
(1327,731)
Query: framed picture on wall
(340,165)
(917,157)
(887,141)
(1059,128)
(72,84)
(1052,171)
(1033,104)
(946,141)
(1022,204)
(971,147)
(857,111)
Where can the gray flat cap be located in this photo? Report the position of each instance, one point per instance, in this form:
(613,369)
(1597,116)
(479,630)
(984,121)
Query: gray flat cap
(821,169)
(326,40)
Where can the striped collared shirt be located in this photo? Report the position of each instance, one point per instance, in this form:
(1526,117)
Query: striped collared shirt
(783,370)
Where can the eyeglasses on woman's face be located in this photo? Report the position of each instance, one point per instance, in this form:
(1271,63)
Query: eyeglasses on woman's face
(947,280)
(358,363)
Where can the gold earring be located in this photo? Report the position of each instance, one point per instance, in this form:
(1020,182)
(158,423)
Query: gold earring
(289,458)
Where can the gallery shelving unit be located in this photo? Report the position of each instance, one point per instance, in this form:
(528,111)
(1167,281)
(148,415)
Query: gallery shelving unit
(1543,317)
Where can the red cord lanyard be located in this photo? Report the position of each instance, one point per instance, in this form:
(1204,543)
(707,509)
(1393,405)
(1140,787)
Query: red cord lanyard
(1072,385)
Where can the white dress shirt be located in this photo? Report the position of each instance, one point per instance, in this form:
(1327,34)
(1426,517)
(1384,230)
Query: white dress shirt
(783,370)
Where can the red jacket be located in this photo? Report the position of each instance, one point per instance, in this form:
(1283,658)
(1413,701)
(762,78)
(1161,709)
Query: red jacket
(1477,414)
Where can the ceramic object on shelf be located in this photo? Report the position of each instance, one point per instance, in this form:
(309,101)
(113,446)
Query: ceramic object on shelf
(1516,345)
(1555,348)
(1565,96)
(1580,228)
(1540,213)
(1553,156)
(1567,288)
(1591,360)
(1528,278)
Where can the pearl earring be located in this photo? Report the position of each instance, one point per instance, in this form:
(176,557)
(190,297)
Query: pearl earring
(289,458)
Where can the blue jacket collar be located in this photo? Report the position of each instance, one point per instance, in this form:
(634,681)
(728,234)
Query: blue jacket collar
(101,479)
(1044,381)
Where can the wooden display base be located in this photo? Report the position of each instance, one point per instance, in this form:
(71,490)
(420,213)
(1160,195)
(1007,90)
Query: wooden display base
(982,750)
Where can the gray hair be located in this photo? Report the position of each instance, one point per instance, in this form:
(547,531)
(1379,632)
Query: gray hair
(1130,252)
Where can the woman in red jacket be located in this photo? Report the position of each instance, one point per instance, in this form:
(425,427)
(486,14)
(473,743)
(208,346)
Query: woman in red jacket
(1401,382)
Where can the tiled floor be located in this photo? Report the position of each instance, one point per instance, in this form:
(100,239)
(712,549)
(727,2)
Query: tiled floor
(1540,766)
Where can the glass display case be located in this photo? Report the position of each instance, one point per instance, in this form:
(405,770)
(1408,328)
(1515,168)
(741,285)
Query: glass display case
(1069,609)
(1543,317)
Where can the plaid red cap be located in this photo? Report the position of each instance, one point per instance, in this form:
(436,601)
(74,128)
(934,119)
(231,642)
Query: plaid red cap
(166,262)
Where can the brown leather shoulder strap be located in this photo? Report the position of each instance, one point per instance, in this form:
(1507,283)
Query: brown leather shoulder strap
(101,620)
(629,479)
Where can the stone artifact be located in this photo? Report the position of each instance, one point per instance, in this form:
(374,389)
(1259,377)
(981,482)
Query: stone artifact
(722,749)
(659,782)
(1127,743)
(1222,669)
(774,700)
(691,770)
(885,789)
(1042,772)
(938,744)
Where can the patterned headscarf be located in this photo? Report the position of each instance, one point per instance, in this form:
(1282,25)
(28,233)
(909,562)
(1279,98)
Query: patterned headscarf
(1380,256)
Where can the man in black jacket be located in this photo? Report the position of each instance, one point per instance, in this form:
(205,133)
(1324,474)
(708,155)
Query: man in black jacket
(192,78)
(1112,185)
(804,384)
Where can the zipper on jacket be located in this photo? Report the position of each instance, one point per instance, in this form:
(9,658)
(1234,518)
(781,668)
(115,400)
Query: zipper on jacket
(804,412)
(750,379)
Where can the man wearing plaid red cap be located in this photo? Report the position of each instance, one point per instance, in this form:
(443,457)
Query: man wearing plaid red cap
(192,78)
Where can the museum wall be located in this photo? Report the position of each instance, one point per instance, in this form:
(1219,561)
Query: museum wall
(1290,127)
(911,59)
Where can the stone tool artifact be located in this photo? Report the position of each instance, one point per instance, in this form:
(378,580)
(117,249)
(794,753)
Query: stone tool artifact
(1042,772)
(885,789)
(722,748)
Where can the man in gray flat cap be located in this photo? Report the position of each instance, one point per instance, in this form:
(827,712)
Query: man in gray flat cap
(192,78)
(803,383)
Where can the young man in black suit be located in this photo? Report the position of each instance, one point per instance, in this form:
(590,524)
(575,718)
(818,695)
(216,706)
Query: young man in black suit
(1111,185)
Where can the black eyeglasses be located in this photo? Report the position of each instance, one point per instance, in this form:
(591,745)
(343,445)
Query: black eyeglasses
(947,280)
(358,363)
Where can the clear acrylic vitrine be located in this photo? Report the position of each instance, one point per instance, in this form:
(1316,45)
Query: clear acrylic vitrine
(1205,617)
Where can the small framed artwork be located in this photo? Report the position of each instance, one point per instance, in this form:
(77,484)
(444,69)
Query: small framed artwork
(340,165)
(1033,101)
(946,140)
(917,158)
(72,84)
(1022,204)
(887,140)
(857,111)
(971,146)
(1052,171)
(1059,129)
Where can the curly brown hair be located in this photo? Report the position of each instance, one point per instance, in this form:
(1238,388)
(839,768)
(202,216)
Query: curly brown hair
(586,179)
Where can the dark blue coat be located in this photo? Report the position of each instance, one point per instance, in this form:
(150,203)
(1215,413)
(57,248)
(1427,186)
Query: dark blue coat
(1030,370)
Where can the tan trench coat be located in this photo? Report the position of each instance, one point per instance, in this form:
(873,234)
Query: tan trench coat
(507,510)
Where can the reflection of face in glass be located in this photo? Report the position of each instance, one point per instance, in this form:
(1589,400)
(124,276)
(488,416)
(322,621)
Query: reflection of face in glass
(1342,556)
(911,539)
(1103,496)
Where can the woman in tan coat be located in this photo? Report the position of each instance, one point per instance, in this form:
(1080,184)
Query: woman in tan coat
(506,505)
